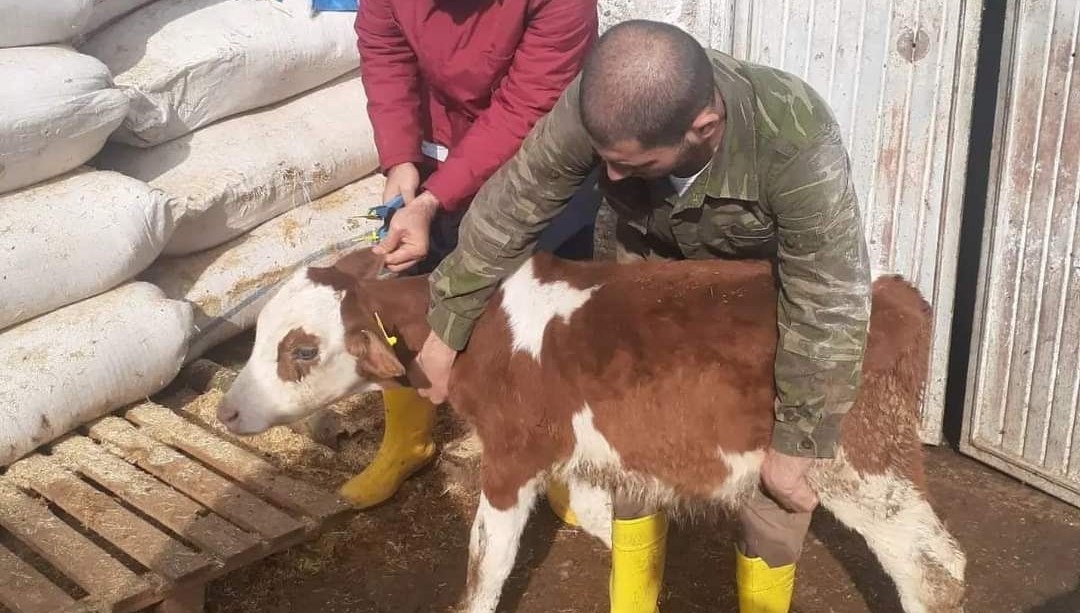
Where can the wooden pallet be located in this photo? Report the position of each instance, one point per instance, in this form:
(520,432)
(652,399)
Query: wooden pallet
(143,510)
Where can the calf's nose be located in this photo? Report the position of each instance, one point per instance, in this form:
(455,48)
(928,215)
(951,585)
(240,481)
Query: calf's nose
(227,414)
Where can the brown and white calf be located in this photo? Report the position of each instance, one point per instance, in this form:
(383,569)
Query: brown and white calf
(653,379)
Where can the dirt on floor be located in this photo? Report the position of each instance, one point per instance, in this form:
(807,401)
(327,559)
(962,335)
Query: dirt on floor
(409,555)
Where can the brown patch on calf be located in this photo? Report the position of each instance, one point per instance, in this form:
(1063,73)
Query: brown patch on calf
(290,367)
(675,361)
(357,266)
(881,432)
(399,303)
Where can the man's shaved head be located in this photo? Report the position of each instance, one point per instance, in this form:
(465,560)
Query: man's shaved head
(644,81)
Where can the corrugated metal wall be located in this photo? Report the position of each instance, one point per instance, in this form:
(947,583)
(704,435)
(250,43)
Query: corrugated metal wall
(1024,386)
(900,77)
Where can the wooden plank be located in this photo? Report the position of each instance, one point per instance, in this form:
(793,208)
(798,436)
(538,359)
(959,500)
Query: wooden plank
(24,590)
(158,501)
(101,575)
(208,488)
(103,515)
(187,600)
(247,468)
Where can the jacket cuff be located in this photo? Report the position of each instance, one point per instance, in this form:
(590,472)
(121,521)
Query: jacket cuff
(821,442)
(453,192)
(389,160)
(453,329)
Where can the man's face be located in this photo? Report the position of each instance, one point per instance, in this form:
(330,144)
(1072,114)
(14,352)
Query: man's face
(627,158)
(630,159)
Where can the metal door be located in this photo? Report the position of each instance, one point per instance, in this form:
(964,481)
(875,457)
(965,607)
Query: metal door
(1021,413)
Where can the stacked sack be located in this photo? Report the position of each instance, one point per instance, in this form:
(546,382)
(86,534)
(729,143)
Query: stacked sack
(245,112)
(226,121)
(78,337)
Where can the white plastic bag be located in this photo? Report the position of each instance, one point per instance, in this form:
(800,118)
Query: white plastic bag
(187,63)
(41,22)
(228,286)
(75,364)
(76,236)
(240,172)
(57,107)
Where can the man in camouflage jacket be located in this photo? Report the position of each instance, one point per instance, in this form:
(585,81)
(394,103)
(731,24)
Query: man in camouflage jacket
(755,167)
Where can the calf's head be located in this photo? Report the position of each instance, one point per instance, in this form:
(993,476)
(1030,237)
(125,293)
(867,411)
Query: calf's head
(315,342)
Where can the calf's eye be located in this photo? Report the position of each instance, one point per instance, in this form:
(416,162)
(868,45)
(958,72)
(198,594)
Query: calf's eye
(305,354)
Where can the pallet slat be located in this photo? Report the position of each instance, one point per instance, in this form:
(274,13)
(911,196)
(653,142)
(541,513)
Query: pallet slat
(247,468)
(102,576)
(170,508)
(24,590)
(208,488)
(100,513)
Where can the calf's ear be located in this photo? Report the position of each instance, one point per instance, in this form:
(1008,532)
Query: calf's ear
(361,265)
(375,358)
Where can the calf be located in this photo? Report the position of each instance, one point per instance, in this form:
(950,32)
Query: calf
(653,379)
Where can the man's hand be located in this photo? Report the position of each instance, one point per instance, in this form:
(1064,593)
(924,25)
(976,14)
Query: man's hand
(435,361)
(403,180)
(407,239)
(784,478)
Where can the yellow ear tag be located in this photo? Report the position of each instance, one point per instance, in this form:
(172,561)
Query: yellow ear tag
(391,340)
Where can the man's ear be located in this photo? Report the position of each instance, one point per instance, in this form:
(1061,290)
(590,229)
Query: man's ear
(706,124)
(375,358)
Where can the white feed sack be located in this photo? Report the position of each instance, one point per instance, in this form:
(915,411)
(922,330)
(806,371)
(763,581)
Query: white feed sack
(76,236)
(41,22)
(105,11)
(228,286)
(57,107)
(75,364)
(240,172)
(187,63)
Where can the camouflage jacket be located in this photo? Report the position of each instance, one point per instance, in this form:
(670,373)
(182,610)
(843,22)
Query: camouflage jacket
(779,186)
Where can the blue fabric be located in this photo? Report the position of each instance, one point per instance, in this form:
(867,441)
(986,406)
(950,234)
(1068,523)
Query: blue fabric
(570,234)
(343,6)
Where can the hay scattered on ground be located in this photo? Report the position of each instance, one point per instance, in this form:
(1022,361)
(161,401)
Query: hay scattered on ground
(421,527)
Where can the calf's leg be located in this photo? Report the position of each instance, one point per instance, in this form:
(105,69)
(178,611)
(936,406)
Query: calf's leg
(891,512)
(493,546)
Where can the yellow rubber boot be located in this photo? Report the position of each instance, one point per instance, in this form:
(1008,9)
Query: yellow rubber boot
(406,447)
(638,548)
(763,589)
(558,497)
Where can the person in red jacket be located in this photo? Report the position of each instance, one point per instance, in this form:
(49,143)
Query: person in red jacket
(453,88)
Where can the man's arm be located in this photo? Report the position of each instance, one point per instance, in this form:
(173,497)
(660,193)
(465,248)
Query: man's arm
(549,55)
(391,77)
(509,212)
(824,300)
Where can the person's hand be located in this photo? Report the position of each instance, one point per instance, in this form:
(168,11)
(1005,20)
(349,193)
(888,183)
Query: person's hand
(784,478)
(435,361)
(409,234)
(401,180)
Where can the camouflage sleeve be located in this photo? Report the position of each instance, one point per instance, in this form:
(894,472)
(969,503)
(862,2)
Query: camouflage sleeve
(824,298)
(502,225)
